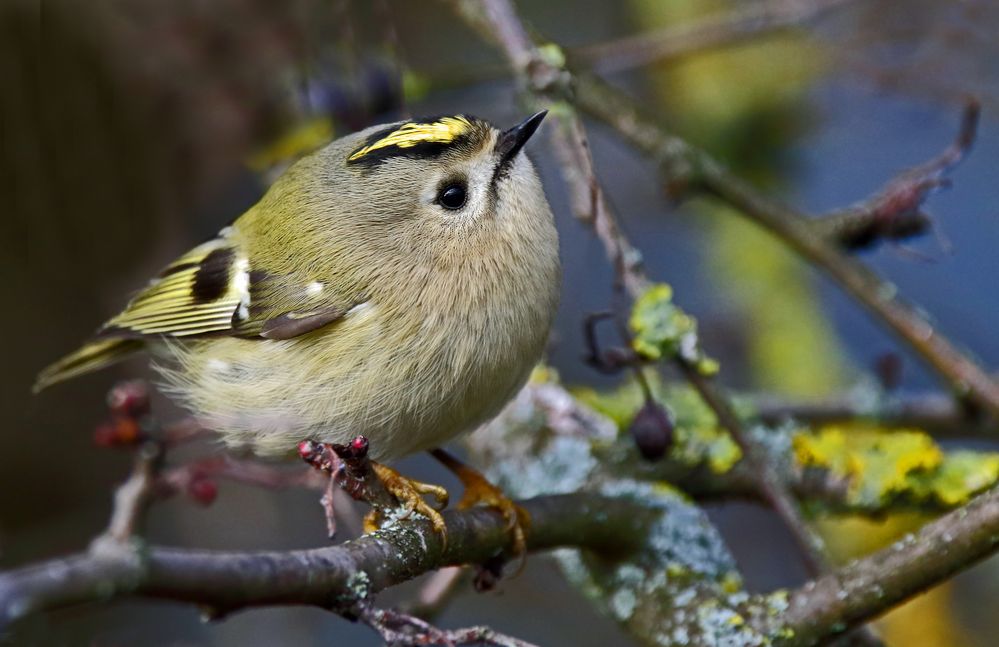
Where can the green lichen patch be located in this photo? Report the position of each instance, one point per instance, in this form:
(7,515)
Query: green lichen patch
(882,467)
(698,440)
(566,466)
(680,587)
(663,331)
(681,537)
(720,624)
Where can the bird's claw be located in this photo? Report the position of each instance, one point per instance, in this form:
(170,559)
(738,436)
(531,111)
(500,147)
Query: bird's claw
(479,491)
(410,494)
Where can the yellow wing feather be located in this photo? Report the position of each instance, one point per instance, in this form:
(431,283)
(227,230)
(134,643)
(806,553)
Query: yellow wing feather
(92,356)
(199,293)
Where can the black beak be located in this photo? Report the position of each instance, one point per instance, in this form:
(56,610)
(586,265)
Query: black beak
(509,143)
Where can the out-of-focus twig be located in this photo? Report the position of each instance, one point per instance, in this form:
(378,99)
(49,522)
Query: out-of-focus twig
(435,594)
(724,30)
(687,169)
(179,478)
(936,413)
(895,211)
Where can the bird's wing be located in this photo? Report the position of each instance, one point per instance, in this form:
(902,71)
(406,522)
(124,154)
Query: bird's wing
(214,289)
(200,292)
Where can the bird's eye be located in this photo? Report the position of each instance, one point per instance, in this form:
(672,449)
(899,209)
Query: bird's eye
(452,196)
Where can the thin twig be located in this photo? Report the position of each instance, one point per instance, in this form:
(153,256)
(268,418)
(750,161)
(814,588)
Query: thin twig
(727,29)
(894,212)
(132,497)
(437,592)
(686,168)
(399,629)
(811,545)
(936,413)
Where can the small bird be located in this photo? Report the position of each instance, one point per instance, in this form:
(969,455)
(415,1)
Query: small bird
(399,283)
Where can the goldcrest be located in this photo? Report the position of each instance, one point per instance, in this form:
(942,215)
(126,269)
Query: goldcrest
(399,283)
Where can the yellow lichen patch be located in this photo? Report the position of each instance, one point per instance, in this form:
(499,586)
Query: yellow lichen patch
(829,450)
(731,582)
(961,475)
(710,445)
(443,131)
(881,467)
(543,373)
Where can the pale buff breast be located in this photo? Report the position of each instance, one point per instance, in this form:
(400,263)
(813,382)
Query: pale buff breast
(408,378)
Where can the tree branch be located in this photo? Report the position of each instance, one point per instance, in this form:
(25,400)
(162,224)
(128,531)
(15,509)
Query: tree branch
(686,168)
(867,587)
(878,582)
(335,577)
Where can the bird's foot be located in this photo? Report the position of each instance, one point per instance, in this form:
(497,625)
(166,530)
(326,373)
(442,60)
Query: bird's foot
(409,493)
(380,486)
(479,491)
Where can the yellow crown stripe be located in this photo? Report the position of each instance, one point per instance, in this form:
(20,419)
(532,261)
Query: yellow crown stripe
(443,131)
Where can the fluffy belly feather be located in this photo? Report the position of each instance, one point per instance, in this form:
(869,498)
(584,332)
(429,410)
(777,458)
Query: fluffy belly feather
(405,393)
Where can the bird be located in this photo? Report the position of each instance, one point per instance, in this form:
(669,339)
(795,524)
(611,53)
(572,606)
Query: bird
(399,284)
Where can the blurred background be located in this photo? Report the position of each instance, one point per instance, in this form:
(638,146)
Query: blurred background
(131,130)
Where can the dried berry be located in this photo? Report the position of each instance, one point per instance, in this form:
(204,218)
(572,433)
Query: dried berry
(129,399)
(119,432)
(652,430)
(359,445)
(203,490)
(307,449)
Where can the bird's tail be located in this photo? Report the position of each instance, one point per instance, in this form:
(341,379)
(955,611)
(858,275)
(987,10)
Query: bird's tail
(90,357)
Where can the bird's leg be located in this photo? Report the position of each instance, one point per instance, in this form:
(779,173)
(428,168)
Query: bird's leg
(378,485)
(478,490)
